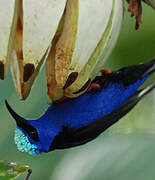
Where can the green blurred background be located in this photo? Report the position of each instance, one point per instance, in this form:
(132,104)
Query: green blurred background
(124,152)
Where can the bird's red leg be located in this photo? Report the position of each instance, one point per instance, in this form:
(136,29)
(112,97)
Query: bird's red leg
(106,71)
(94,85)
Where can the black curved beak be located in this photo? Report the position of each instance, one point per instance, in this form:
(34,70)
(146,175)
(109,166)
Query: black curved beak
(19,120)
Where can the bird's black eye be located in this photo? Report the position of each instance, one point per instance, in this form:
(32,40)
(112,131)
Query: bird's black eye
(33,134)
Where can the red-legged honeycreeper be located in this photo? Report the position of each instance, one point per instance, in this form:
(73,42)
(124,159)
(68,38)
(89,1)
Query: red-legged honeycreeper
(77,121)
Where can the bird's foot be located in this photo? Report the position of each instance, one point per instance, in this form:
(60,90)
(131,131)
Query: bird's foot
(93,86)
(105,71)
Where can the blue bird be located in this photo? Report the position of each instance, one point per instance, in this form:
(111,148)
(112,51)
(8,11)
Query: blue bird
(77,121)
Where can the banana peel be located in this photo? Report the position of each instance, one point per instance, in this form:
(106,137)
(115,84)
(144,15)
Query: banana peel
(89,32)
(74,37)
(9,11)
(36,27)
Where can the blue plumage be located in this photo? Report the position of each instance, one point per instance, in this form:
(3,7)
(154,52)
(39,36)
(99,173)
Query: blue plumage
(77,121)
(89,107)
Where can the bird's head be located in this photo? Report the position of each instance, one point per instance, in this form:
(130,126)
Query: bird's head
(32,136)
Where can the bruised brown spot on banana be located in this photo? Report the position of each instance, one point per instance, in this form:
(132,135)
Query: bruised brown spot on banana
(71,78)
(28,71)
(1,70)
(34,34)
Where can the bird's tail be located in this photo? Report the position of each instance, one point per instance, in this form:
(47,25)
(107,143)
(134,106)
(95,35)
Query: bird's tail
(150,66)
(128,105)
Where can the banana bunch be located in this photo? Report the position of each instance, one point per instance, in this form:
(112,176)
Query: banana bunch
(73,38)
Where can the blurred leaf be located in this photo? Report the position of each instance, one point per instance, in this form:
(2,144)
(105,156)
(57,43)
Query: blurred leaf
(10,171)
(119,157)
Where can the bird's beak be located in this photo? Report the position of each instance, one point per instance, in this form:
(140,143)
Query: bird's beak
(19,120)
